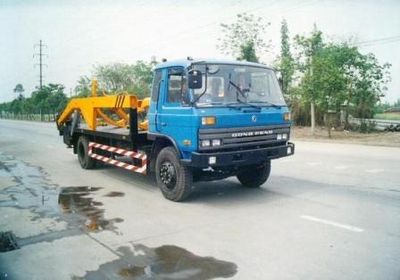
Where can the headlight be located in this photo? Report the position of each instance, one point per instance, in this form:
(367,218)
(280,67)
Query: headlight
(216,142)
(212,160)
(282,136)
(205,143)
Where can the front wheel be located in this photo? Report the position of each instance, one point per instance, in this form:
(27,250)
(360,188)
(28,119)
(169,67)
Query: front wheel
(174,179)
(255,175)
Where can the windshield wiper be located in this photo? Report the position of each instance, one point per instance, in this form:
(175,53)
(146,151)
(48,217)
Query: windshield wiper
(233,105)
(238,90)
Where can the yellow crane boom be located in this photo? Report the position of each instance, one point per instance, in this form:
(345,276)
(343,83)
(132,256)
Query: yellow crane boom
(91,108)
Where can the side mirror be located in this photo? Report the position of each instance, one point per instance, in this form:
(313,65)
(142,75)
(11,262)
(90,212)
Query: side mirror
(195,79)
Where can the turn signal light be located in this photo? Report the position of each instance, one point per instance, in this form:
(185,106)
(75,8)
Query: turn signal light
(286,116)
(208,120)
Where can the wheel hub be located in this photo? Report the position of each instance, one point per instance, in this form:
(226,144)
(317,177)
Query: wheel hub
(168,174)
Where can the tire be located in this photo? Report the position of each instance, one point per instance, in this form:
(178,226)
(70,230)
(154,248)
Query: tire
(255,175)
(82,150)
(173,179)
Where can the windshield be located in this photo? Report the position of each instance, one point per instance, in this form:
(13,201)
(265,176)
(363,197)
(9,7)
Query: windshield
(236,84)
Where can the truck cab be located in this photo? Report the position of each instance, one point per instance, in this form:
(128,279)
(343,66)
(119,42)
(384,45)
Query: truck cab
(214,119)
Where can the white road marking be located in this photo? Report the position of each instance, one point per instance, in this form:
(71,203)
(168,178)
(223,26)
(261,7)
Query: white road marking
(377,170)
(332,223)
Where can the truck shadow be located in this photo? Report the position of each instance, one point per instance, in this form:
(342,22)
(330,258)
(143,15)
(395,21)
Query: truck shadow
(223,190)
(132,179)
(231,191)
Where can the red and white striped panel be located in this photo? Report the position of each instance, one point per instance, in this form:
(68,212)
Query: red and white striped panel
(142,156)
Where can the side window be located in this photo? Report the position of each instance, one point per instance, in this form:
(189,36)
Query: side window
(177,88)
(156,86)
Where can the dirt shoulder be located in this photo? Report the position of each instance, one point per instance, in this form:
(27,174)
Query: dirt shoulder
(389,139)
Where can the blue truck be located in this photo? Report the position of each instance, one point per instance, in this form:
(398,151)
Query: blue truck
(206,120)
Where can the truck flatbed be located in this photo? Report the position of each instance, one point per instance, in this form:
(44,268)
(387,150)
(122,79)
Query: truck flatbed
(111,132)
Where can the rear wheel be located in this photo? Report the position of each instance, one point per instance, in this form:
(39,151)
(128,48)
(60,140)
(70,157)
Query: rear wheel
(174,179)
(85,160)
(255,175)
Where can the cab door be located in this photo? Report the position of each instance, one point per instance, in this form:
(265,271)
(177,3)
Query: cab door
(174,111)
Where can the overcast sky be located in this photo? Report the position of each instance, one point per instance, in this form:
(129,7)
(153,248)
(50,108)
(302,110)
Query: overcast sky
(80,34)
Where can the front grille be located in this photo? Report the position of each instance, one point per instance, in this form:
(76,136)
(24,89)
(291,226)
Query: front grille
(244,137)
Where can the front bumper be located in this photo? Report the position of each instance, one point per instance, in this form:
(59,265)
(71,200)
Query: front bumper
(239,158)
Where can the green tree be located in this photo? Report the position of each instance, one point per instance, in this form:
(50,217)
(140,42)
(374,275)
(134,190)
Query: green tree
(17,105)
(46,101)
(309,48)
(114,77)
(244,38)
(328,80)
(118,77)
(370,86)
(285,61)
(336,73)
(50,99)
(19,89)
(143,77)
(247,52)
(82,89)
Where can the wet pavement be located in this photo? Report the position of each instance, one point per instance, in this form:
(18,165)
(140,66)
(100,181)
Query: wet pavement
(165,262)
(76,211)
(329,212)
(79,208)
(73,206)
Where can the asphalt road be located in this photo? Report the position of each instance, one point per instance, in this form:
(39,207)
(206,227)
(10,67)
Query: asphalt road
(332,211)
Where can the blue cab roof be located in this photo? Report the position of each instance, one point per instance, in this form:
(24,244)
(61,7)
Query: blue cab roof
(186,63)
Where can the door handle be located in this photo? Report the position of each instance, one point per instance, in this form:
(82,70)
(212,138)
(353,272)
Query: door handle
(163,124)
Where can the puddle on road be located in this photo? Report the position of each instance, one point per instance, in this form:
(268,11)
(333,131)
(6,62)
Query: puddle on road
(165,262)
(83,209)
(72,209)
(27,187)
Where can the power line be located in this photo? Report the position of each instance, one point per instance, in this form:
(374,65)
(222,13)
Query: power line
(188,31)
(272,7)
(379,41)
(40,55)
(212,27)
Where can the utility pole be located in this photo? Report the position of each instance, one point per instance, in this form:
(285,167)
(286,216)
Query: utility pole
(40,55)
